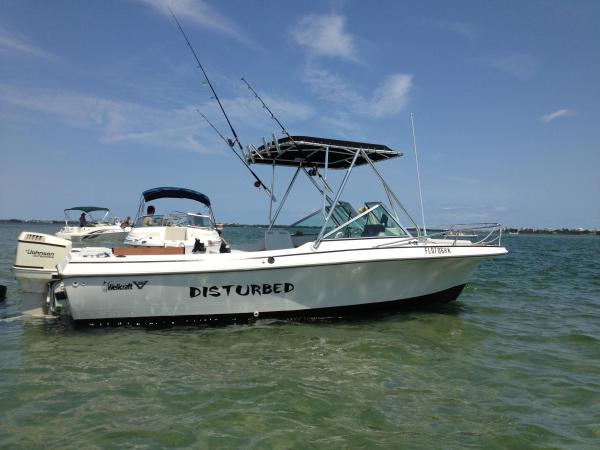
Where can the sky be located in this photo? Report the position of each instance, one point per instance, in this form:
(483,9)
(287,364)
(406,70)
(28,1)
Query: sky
(99,100)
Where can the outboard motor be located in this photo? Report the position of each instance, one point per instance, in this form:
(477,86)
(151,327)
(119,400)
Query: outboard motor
(37,256)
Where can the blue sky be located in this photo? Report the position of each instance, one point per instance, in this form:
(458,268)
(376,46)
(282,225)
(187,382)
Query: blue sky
(98,103)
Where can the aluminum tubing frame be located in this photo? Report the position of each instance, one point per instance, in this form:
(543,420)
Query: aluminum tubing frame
(389,190)
(317,242)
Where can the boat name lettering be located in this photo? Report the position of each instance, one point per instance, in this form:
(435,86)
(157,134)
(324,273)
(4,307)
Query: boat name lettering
(111,286)
(241,289)
(39,254)
(437,250)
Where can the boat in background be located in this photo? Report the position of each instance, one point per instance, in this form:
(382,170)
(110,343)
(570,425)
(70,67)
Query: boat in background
(98,227)
(339,262)
(461,233)
(195,232)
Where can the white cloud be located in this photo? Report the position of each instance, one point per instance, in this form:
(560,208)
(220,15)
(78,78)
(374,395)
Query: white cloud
(118,121)
(518,64)
(462,29)
(392,96)
(325,35)
(248,110)
(18,43)
(200,13)
(389,98)
(557,114)
(344,126)
(331,87)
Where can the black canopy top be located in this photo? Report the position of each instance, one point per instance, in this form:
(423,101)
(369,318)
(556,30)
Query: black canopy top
(87,209)
(311,152)
(174,192)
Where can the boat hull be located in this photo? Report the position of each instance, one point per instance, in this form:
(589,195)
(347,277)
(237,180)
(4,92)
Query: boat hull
(327,313)
(329,290)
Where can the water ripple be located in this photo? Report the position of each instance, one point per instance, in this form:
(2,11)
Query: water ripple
(514,364)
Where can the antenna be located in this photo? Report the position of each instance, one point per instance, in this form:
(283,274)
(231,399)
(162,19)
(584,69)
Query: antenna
(258,182)
(412,122)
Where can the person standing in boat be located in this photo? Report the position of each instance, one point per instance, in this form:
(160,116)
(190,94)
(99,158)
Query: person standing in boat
(82,220)
(126,223)
(149,220)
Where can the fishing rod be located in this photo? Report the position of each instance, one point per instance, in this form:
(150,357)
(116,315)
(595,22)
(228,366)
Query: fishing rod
(313,171)
(258,182)
(230,143)
(270,112)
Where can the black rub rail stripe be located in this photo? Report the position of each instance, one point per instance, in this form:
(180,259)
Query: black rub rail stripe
(375,248)
(27,267)
(280,256)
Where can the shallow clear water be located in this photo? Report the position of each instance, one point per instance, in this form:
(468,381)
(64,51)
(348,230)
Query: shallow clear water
(515,363)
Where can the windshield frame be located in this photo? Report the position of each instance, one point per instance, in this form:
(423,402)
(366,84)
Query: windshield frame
(368,212)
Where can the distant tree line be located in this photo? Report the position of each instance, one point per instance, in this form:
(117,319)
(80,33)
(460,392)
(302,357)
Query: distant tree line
(575,231)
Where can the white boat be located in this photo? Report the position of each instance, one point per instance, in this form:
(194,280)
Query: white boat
(451,233)
(102,226)
(337,262)
(195,232)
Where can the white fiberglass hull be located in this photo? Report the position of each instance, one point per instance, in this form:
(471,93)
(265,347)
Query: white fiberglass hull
(102,233)
(293,283)
(174,236)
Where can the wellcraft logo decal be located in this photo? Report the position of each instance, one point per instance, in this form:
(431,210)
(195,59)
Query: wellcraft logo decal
(241,289)
(112,286)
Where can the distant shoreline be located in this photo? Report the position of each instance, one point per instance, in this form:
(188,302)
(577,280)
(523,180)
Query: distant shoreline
(507,231)
(570,231)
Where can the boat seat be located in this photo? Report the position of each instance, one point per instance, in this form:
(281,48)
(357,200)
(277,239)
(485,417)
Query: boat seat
(371,230)
(278,239)
(175,234)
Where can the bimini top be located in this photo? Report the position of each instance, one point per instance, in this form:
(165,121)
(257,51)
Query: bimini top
(86,209)
(311,152)
(174,192)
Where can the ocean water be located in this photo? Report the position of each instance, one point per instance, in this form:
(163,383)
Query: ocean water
(514,363)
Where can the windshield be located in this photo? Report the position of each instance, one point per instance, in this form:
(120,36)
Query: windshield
(313,223)
(98,217)
(198,220)
(376,223)
(175,219)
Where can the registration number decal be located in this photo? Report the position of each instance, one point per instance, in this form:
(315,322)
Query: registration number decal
(437,251)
